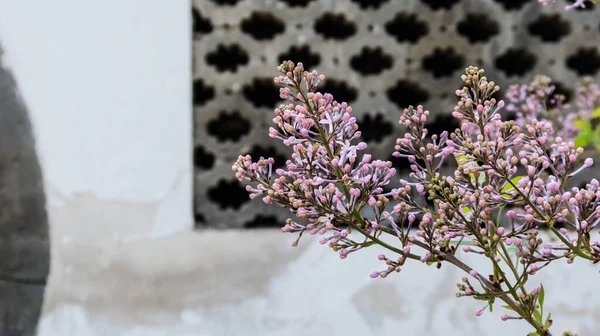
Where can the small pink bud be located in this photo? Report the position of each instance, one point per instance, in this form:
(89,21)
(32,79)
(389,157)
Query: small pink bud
(473,273)
(500,231)
(381,257)
(589,162)
(466,249)
(480,311)
(374,275)
(504,317)
(511,214)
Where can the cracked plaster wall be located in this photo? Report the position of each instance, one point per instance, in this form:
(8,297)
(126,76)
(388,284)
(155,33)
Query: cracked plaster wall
(108,86)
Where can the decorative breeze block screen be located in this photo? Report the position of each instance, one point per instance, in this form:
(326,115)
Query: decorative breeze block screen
(378,55)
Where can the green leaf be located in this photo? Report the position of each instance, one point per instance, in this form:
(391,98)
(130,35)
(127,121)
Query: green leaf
(515,180)
(548,322)
(583,139)
(480,298)
(538,316)
(463,159)
(533,334)
(596,113)
(466,210)
(541,297)
(491,307)
(508,307)
(482,178)
(584,125)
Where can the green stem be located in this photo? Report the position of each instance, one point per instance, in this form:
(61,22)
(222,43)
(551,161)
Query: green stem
(527,317)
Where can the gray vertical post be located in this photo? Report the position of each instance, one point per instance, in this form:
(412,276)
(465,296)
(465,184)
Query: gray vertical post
(24,241)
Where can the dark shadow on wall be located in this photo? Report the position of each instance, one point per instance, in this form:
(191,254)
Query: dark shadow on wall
(24,240)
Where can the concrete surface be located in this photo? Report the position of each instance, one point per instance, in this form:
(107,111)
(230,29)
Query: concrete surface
(254,283)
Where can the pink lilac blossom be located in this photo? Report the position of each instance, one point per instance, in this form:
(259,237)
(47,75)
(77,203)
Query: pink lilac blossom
(336,191)
(539,101)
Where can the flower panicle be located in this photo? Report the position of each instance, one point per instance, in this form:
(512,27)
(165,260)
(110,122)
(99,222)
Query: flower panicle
(511,180)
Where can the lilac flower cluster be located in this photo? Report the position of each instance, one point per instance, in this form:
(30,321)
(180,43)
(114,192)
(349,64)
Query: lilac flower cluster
(506,169)
(538,100)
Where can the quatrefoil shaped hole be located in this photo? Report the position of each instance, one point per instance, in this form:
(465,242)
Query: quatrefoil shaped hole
(262,26)
(442,62)
(341,91)
(442,122)
(406,27)
(227,58)
(264,222)
(262,92)
(334,26)
(228,126)
(585,61)
(478,27)
(203,159)
(225,2)
(371,61)
(406,93)
(200,25)
(512,4)
(440,4)
(516,61)
(202,92)
(587,5)
(365,4)
(375,128)
(550,27)
(559,90)
(199,220)
(258,151)
(301,54)
(297,3)
(228,194)
(506,116)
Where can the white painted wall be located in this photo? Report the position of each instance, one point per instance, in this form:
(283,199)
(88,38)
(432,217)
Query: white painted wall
(108,87)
